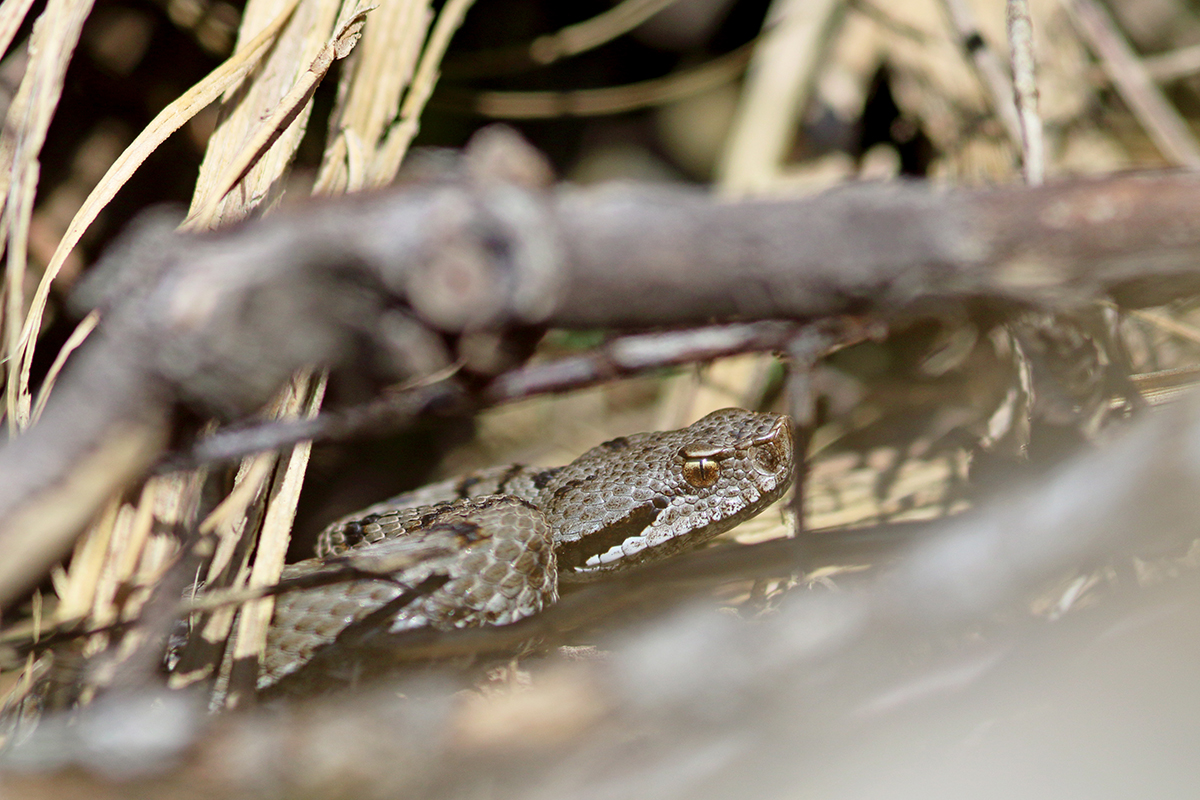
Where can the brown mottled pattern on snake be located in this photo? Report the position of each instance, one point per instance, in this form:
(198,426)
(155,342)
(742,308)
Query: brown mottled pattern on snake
(497,554)
(628,501)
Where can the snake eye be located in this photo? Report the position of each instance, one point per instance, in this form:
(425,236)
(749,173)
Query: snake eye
(701,472)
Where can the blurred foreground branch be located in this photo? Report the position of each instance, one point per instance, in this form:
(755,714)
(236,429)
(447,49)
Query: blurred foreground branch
(403,283)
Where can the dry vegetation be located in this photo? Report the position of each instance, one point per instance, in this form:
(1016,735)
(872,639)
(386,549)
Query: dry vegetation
(310,97)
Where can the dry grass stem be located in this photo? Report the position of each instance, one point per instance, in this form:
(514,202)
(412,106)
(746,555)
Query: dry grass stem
(398,139)
(52,43)
(987,66)
(609,100)
(373,83)
(278,121)
(591,33)
(1163,123)
(304,400)
(77,337)
(12,14)
(166,122)
(778,84)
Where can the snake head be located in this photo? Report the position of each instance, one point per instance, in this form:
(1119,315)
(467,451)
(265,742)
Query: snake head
(641,498)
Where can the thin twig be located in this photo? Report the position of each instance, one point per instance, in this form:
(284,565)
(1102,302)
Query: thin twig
(622,357)
(877,544)
(804,350)
(392,411)
(1025,91)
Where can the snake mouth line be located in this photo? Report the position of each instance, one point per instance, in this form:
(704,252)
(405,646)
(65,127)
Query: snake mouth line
(575,556)
(635,549)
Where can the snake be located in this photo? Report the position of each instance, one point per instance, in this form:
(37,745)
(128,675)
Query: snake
(491,548)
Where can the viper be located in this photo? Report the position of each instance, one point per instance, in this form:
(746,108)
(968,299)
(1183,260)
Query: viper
(491,548)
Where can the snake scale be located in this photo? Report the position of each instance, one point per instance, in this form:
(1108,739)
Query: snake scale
(491,548)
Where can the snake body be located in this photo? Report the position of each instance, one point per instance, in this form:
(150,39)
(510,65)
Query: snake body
(491,548)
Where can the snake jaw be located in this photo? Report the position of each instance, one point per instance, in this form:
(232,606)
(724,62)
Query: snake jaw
(578,555)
